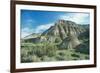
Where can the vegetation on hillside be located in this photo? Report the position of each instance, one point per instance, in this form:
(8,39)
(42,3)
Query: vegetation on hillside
(61,42)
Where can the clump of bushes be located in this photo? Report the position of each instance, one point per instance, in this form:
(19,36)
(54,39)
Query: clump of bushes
(35,53)
(50,52)
(83,48)
(75,55)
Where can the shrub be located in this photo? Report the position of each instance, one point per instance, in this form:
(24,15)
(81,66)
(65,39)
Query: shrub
(58,40)
(86,57)
(75,55)
(51,49)
(26,59)
(35,58)
(83,48)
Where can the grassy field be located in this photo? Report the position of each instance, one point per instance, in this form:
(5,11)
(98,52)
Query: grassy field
(42,52)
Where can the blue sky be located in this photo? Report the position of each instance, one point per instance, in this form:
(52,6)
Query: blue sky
(33,21)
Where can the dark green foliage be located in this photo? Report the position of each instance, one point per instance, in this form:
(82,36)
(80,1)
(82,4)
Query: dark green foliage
(75,55)
(83,48)
(61,53)
(85,35)
(76,59)
(46,58)
(86,57)
(59,58)
(57,40)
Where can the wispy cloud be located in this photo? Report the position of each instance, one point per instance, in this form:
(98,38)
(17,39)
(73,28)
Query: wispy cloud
(26,31)
(39,29)
(42,28)
(80,18)
(28,22)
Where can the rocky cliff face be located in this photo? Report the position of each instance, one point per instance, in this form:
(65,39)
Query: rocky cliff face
(62,29)
(66,33)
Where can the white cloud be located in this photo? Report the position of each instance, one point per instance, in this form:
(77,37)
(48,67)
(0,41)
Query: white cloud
(42,28)
(27,30)
(28,22)
(80,18)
